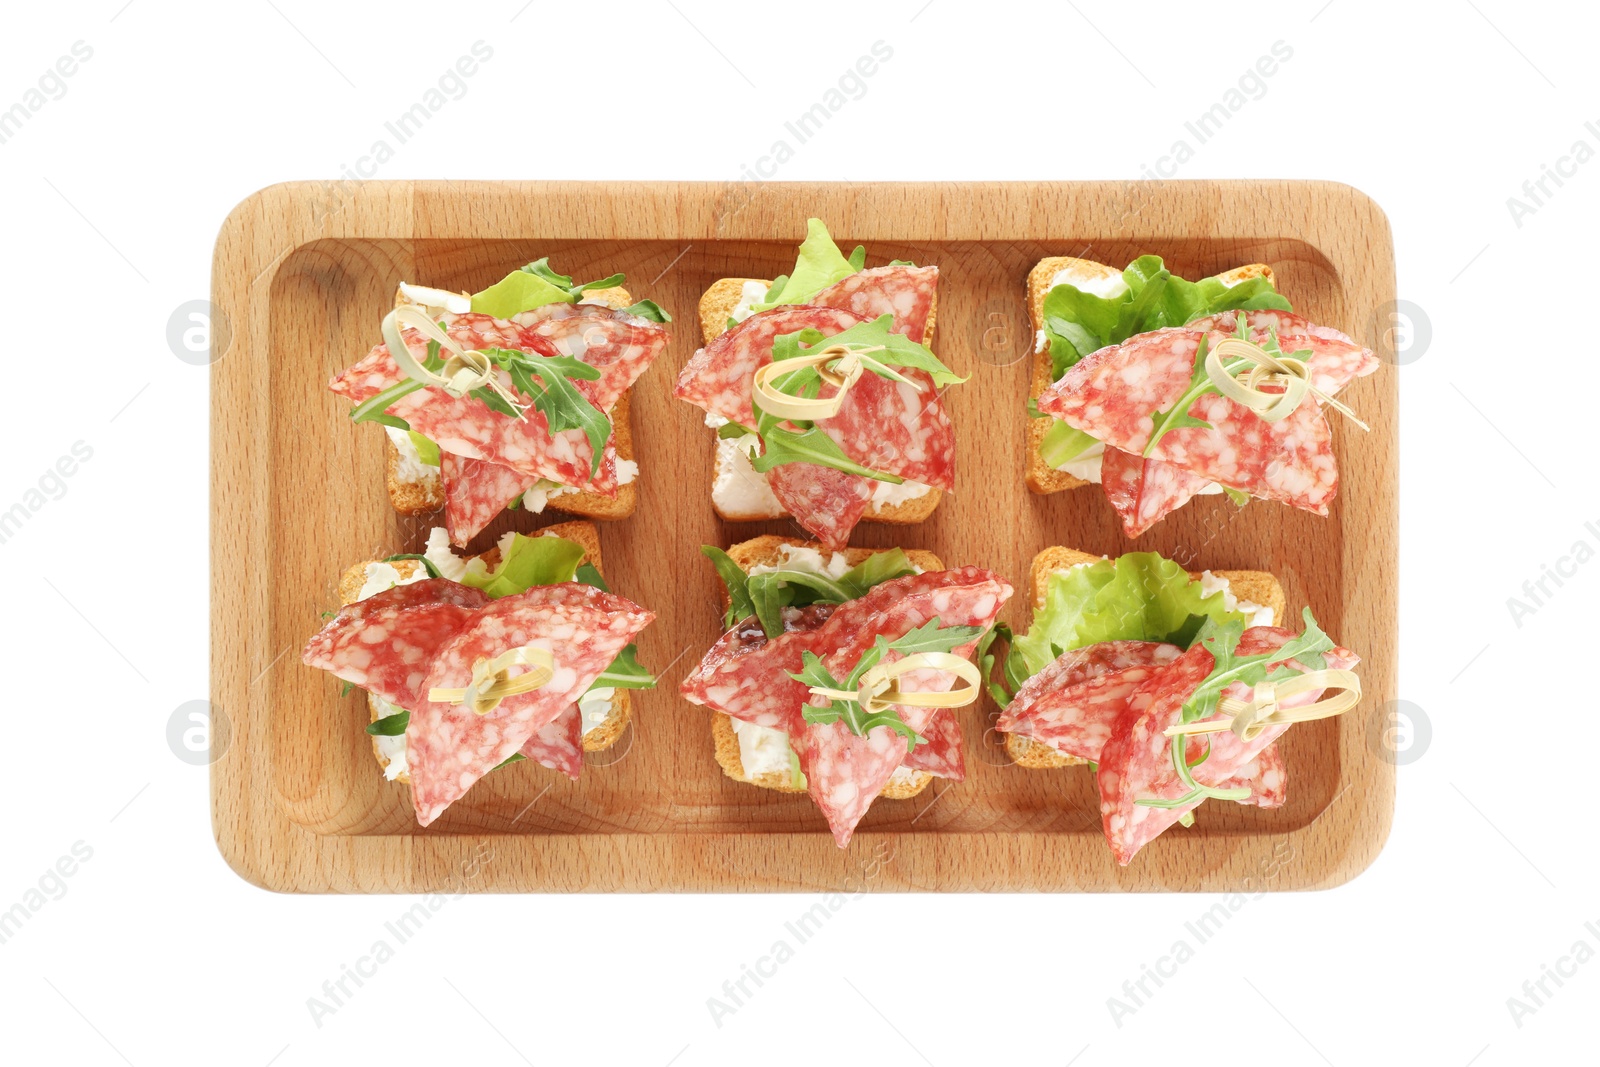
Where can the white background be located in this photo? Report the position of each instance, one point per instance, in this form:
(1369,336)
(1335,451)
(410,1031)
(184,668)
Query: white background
(155,952)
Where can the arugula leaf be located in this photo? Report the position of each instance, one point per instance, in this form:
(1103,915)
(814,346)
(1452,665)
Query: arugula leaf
(515,757)
(931,637)
(625,672)
(1177,416)
(768,599)
(372,409)
(390,725)
(899,350)
(732,431)
(856,720)
(1200,383)
(588,575)
(733,576)
(998,691)
(344,690)
(812,446)
(819,265)
(564,407)
(648,309)
(826,588)
(530,561)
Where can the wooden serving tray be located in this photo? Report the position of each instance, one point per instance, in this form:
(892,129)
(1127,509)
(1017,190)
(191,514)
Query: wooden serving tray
(303,273)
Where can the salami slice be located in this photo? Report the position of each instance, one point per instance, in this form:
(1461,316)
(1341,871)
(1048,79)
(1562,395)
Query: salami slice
(827,503)
(845,772)
(1335,360)
(1136,762)
(1114,393)
(1145,491)
(559,743)
(1072,704)
(475,491)
(448,746)
(720,377)
(386,643)
(902,291)
(940,755)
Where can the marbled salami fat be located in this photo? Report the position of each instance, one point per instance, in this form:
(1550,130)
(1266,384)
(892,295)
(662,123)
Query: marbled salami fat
(827,503)
(448,746)
(746,676)
(940,755)
(902,291)
(1145,491)
(475,491)
(386,643)
(559,744)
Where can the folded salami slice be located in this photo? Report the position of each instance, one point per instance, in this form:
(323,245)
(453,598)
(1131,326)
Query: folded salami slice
(845,772)
(476,490)
(1114,393)
(448,746)
(941,755)
(827,503)
(1137,760)
(1073,703)
(902,291)
(386,643)
(620,345)
(720,377)
(1145,491)
(559,744)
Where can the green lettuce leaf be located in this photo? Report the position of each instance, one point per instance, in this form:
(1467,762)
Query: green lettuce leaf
(427,451)
(536,285)
(530,561)
(1140,596)
(1063,443)
(819,265)
(1077,323)
(517,292)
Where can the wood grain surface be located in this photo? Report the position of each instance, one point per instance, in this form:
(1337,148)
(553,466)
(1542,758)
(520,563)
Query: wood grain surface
(302,275)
